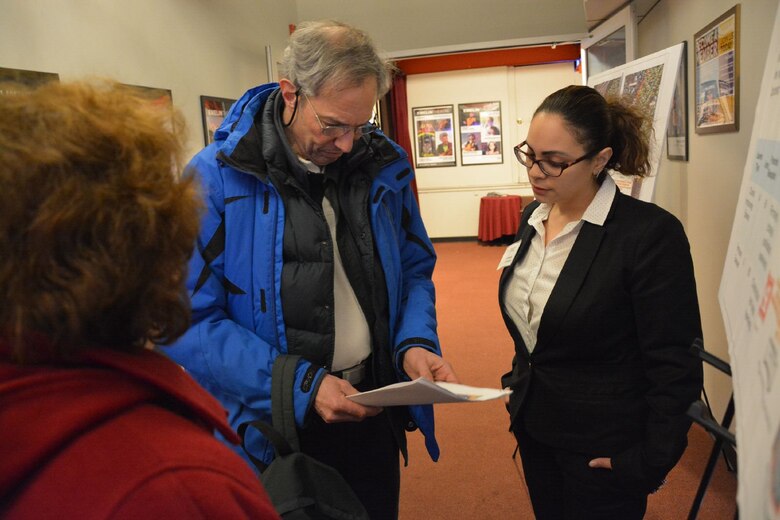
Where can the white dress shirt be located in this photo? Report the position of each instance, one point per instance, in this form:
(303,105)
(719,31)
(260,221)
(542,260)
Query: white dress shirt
(534,277)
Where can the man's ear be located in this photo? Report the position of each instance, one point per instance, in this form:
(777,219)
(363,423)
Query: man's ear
(289,91)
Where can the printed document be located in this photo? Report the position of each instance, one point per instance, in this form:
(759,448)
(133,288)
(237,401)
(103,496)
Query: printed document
(423,391)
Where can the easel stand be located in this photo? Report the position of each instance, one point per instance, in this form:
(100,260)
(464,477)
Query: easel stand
(700,412)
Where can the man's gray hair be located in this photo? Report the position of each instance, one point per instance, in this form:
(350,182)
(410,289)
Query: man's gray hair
(332,52)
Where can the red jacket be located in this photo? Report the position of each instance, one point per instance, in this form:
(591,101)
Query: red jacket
(117,435)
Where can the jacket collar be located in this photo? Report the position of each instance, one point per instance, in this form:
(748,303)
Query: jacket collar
(250,137)
(159,371)
(48,404)
(146,368)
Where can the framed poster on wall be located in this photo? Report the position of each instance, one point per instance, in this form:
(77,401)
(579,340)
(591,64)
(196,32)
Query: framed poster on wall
(677,129)
(716,54)
(28,78)
(480,133)
(434,141)
(213,110)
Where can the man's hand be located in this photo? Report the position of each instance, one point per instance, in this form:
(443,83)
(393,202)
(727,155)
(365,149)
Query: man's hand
(332,405)
(419,362)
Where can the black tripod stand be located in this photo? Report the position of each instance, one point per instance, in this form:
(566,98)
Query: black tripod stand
(700,412)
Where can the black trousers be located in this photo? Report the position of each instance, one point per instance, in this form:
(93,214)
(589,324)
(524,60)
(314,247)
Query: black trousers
(366,455)
(563,486)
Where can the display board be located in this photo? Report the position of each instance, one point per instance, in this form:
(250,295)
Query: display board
(435,142)
(480,133)
(750,303)
(649,83)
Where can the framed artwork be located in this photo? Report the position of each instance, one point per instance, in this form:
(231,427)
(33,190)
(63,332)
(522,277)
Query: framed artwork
(434,141)
(157,96)
(480,133)
(213,111)
(677,128)
(28,78)
(716,53)
(649,84)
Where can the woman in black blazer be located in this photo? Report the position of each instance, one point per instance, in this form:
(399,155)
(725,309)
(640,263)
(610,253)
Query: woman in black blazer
(599,296)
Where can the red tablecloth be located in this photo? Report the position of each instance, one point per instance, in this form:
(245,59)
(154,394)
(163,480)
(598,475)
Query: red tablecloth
(498,216)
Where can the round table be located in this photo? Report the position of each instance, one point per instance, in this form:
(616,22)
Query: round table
(498,216)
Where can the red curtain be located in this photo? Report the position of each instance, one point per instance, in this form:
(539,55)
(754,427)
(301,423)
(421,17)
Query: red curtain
(400,115)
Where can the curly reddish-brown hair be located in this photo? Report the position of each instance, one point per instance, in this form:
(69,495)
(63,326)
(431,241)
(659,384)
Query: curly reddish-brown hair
(96,224)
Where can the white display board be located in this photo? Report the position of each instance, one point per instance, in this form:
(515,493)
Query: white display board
(648,82)
(750,302)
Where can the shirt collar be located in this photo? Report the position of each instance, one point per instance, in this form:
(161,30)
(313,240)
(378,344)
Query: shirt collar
(597,210)
(310,166)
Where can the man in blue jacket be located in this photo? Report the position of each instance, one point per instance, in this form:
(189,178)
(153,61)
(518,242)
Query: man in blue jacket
(312,245)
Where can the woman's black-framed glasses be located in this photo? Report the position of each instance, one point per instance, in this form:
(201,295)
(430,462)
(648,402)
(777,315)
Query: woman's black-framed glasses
(336,131)
(550,168)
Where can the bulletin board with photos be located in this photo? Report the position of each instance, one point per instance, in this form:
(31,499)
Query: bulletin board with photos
(434,136)
(480,133)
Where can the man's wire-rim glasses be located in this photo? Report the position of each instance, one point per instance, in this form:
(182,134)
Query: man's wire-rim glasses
(549,168)
(336,131)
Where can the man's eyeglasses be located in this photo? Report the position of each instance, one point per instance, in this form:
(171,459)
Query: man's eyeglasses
(550,168)
(336,131)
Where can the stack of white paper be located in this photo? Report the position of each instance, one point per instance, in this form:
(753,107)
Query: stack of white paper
(423,391)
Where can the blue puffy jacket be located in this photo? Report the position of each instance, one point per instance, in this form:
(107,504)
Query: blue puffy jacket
(235,277)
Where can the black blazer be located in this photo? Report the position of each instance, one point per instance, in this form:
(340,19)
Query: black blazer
(611,374)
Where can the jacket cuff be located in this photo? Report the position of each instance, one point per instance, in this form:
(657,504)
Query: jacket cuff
(307,384)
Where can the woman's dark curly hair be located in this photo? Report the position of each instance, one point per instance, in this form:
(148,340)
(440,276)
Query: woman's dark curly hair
(599,123)
(96,225)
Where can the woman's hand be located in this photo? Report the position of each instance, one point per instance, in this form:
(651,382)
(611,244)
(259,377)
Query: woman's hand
(603,462)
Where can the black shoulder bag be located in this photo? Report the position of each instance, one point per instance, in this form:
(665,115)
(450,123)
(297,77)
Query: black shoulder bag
(299,486)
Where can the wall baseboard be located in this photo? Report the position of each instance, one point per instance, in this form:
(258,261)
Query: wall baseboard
(454,239)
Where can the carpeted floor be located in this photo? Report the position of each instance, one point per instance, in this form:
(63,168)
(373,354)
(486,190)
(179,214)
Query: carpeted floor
(476,477)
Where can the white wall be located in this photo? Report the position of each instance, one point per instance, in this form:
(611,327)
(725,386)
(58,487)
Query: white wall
(703,192)
(449,196)
(191,47)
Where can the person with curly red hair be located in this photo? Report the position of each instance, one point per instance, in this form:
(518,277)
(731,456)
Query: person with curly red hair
(96,228)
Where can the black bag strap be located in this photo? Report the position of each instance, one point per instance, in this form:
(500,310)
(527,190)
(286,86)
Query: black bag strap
(280,444)
(282,407)
(282,435)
